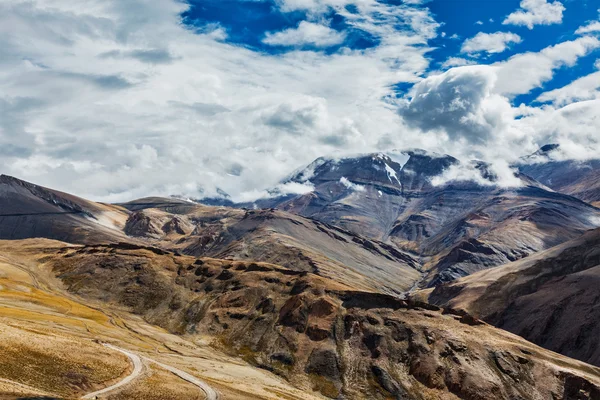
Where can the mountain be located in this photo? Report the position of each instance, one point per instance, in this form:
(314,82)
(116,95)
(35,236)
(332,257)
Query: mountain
(365,194)
(456,227)
(274,236)
(580,179)
(500,226)
(551,298)
(387,210)
(29,211)
(320,334)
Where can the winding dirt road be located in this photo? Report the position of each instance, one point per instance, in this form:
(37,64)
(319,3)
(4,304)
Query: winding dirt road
(138,367)
(211,394)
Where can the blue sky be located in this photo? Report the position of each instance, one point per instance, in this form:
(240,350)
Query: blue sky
(247,23)
(115,100)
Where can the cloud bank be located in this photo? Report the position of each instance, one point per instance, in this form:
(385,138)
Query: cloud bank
(115,100)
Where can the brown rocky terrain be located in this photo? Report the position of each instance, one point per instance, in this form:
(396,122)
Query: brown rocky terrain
(30,211)
(312,301)
(274,236)
(319,334)
(551,299)
(51,344)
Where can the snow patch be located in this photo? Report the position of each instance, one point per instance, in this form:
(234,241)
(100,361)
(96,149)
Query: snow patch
(594,220)
(400,157)
(391,173)
(108,219)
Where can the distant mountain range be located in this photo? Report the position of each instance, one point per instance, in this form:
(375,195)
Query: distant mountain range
(384,209)
(456,227)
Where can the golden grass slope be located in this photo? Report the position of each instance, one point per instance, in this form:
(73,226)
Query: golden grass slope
(50,344)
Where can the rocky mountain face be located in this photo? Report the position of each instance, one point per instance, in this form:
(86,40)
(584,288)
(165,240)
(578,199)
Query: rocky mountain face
(576,178)
(263,235)
(278,237)
(455,227)
(551,299)
(322,335)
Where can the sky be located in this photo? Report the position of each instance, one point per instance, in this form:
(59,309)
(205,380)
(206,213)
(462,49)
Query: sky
(120,99)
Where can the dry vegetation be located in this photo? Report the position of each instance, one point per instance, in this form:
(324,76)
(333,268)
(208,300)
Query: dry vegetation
(315,333)
(49,343)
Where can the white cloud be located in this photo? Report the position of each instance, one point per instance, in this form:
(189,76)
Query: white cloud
(118,100)
(472,103)
(307,33)
(460,102)
(463,172)
(352,186)
(281,189)
(592,27)
(479,23)
(536,12)
(468,109)
(584,88)
(523,72)
(490,42)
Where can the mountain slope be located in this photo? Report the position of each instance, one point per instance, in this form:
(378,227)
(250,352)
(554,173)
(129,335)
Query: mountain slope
(551,298)
(29,211)
(503,226)
(580,179)
(275,236)
(320,334)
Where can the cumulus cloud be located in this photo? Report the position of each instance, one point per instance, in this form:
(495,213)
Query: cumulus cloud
(460,102)
(470,112)
(574,126)
(490,42)
(535,68)
(536,12)
(281,189)
(351,186)
(505,176)
(307,33)
(592,27)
